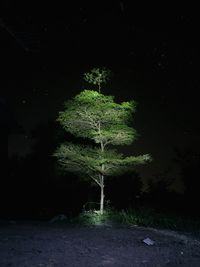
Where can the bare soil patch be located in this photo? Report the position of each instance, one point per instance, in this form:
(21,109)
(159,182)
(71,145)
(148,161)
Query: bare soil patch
(43,244)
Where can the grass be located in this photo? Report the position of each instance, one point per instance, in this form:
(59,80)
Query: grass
(93,217)
(140,217)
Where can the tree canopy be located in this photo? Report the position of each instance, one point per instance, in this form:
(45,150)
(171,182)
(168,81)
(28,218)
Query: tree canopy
(96,116)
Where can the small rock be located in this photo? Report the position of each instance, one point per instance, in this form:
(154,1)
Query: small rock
(148,241)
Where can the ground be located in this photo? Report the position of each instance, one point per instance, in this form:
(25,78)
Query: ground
(45,244)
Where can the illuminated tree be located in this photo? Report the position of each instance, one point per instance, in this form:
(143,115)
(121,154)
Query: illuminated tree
(97,76)
(96,117)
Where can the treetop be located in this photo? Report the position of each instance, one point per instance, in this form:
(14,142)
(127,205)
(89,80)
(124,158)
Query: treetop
(96,116)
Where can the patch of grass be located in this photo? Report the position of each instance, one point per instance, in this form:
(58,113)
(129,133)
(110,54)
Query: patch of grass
(93,217)
(152,218)
(140,217)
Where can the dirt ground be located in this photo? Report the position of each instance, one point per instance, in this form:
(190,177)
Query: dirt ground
(39,244)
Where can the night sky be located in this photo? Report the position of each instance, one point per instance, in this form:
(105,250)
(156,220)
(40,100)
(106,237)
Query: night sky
(153,57)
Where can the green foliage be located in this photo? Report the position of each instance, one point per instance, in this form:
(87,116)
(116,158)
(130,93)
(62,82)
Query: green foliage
(139,217)
(152,218)
(98,118)
(93,217)
(97,76)
(87,161)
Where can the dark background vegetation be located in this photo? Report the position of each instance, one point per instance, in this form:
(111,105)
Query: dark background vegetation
(153,54)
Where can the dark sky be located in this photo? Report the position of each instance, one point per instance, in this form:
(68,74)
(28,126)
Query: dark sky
(153,56)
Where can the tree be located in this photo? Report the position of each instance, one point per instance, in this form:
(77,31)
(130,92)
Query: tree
(94,116)
(97,76)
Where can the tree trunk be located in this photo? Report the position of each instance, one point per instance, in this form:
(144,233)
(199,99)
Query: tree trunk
(101,177)
(102,195)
